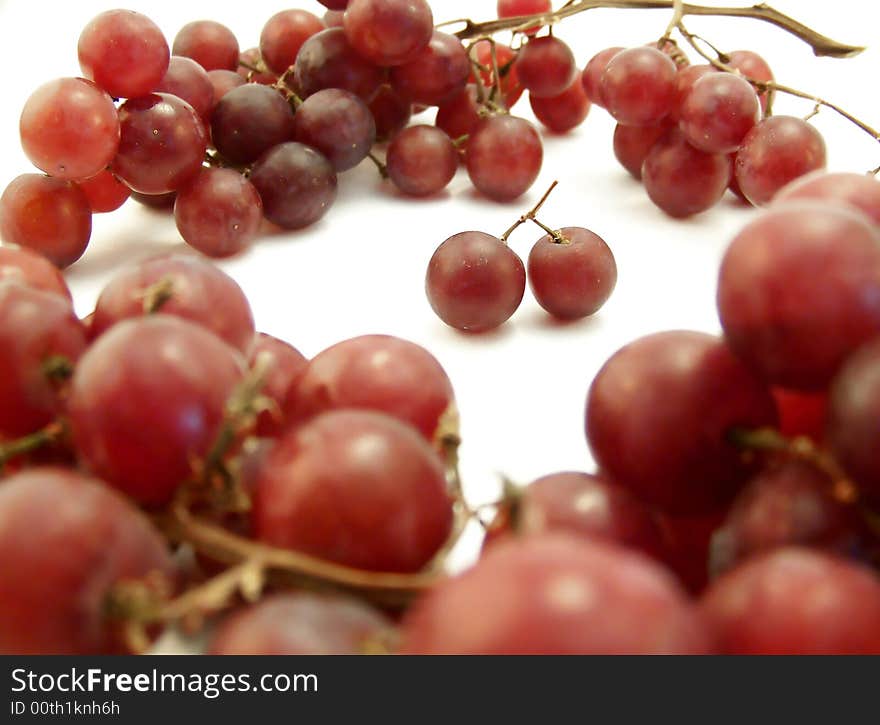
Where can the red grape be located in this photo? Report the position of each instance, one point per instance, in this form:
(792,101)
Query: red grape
(505,57)
(504,157)
(795,601)
(186,79)
(659,414)
(421,160)
(435,73)
(334,4)
(460,115)
(556,595)
(124,52)
(563,112)
(632,144)
(388,32)
(67,540)
(789,504)
(147,401)
(516,8)
(31,269)
(36,328)
(338,124)
(356,488)
(210,44)
(546,66)
(686,544)
(802,414)
(284,34)
(162,146)
(285,365)
(580,504)
(767,301)
(857,191)
(391,112)
(105,192)
(753,67)
(69,128)
(776,151)
(302,623)
(718,112)
(296,183)
(327,60)
(219,212)
(49,216)
(685,78)
(591,78)
(191,288)
(573,278)
(854,417)
(638,86)
(249,121)
(475,282)
(374,372)
(682,180)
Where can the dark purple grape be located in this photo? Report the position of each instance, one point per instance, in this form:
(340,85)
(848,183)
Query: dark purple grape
(338,124)
(327,60)
(250,120)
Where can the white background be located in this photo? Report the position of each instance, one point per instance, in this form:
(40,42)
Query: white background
(361,270)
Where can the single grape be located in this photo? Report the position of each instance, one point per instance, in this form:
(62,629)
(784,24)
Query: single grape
(47,215)
(356,488)
(105,192)
(219,212)
(296,183)
(210,44)
(795,601)
(682,180)
(504,157)
(753,67)
(515,8)
(775,152)
(25,267)
(391,112)
(69,128)
(580,504)
(435,73)
(67,540)
(183,286)
(632,143)
(186,79)
(327,60)
(162,146)
(147,401)
(284,34)
(124,52)
(388,32)
(38,329)
(718,112)
(546,66)
(853,429)
(285,364)
(475,282)
(564,112)
(659,414)
(491,55)
(249,121)
(555,594)
(302,623)
(375,372)
(767,301)
(421,160)
(591,78)
(338,124)
(574,277)
(788,504)
(460,115)
(857,191)
(223,81)
(685,78)
(638,86)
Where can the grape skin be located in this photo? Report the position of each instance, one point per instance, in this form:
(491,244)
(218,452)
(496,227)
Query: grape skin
(504,156)
(388,32)
(210,44)
(25,267)
(421,160)
(338,124)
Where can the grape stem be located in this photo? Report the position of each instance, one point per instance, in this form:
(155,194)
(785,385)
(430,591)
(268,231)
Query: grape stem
(11,450)
(720,62)
(821,44)
(530,216)
(383,169)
